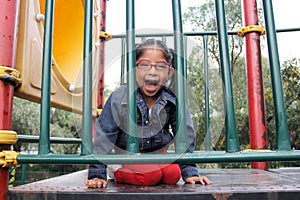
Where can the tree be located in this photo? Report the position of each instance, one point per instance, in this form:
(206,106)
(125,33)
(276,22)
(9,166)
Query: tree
(203,18)
(290,72)
(26,121)
(291,85)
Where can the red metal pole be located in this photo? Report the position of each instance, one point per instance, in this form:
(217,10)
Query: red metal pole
(9,13)
(256,101)
(102,55)
(100,99)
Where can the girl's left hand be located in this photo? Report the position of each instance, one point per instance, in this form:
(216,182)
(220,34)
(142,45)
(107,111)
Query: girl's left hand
(195,179)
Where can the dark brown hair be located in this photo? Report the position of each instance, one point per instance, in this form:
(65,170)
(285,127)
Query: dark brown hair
(140,48)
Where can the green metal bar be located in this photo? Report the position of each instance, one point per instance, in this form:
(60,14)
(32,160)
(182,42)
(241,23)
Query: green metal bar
(164,38)
(232,143)
(132,138)
(287,29)
(122,81)
(196,157)
(206,88)
(44,144)
(185,71)
(282,135)
(56,140)
(86,147)
(181,143)
(23,178)
(208,33)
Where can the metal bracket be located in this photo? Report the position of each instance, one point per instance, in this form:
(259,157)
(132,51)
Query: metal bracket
(105,36)
(10,75)
(99,112)
(8,137)
(8,158)
(257,150)
(252,28)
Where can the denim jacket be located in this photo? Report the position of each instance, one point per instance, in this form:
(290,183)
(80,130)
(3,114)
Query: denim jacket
(153,129)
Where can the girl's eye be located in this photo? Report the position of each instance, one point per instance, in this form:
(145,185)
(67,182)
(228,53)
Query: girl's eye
(162,66)
(144,65)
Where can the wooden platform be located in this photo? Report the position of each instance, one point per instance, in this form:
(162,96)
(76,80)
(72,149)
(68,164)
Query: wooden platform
(227,184)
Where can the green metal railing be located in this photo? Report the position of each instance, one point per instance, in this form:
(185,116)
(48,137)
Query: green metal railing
(232,152)
(282,136)
(132,139)
(232,144)
(44,144)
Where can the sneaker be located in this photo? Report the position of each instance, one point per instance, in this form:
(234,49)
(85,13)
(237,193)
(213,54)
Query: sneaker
(111,170)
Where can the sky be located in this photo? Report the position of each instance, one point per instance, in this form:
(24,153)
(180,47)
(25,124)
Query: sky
(149,13)
(157,15)
(287,15)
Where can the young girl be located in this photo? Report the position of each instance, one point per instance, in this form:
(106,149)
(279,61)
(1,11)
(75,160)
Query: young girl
(156,113)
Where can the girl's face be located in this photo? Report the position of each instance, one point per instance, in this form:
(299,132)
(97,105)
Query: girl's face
(150,81)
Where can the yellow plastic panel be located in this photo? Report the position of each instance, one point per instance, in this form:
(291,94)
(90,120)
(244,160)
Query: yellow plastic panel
(68,36)
(67,52)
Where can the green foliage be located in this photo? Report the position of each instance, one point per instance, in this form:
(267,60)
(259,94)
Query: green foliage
(202,18)
(26,121)
(67,125)
(196,98)
(12,176)
(26,117)
(291,86)
(290,72)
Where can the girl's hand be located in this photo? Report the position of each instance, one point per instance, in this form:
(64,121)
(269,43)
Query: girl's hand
(96,183)
(195,179)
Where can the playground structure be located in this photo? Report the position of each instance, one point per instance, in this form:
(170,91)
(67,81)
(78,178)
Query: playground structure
(42,68)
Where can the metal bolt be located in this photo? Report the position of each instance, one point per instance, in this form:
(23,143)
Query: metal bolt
(40,17)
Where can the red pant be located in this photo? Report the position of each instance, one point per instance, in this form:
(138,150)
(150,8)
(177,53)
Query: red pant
(148,174)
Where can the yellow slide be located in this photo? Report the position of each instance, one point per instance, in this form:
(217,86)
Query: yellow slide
(66,77)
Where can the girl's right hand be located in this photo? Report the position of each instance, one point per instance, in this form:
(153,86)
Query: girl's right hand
(96,183)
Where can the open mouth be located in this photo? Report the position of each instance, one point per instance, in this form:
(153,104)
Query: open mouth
(151,85)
